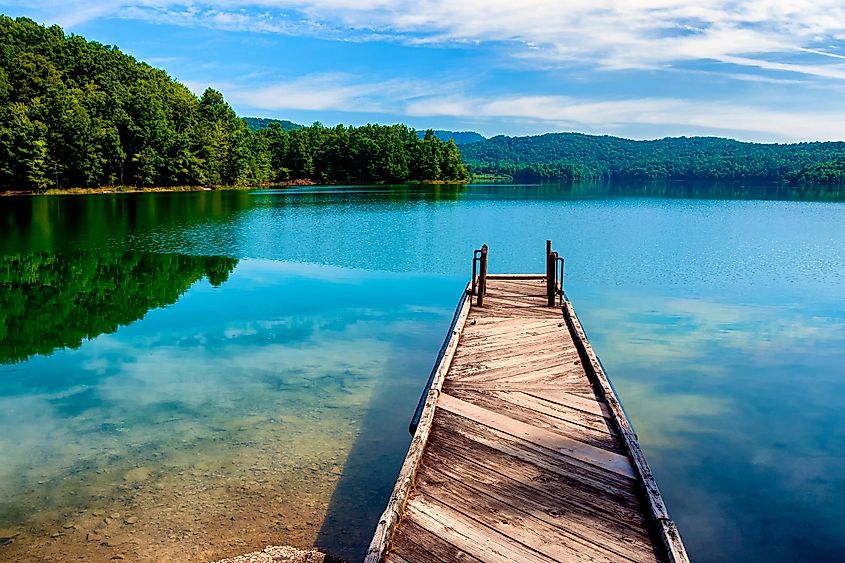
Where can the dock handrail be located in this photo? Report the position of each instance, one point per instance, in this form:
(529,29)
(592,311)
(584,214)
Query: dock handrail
(559,279)
(476,257)
(415,420)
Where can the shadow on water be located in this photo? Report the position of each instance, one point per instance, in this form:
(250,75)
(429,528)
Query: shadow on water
(377,454)
(369,474)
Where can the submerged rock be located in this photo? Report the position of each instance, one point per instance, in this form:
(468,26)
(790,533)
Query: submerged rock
(283,554)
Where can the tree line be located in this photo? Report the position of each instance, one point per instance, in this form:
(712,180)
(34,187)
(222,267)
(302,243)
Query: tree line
(76,113)
(575,156)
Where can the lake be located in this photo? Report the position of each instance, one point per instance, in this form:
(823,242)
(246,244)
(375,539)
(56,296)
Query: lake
(188,376)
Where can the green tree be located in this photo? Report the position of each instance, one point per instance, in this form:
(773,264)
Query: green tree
(78,113)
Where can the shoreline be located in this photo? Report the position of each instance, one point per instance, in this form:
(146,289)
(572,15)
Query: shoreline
(173,189)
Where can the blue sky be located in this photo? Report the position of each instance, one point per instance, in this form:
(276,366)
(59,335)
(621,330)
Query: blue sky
(765,70)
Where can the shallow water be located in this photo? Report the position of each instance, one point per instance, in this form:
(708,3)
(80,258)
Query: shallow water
(229,370)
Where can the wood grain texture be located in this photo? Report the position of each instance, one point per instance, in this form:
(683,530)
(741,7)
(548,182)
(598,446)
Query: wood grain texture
(526,454)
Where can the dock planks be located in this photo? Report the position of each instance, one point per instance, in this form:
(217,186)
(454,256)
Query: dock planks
(522,452)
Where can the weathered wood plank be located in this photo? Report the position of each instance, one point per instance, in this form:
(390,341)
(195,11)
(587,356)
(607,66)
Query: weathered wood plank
(573,387)
(573,395)
(518,292)
(550,376)
(567,412)
(522,287)
(518,276)
(579,428)
(421,546)
(491,333)
(500,300)
(468,368)
(619,487)
(564,482)
(396,558)
(569,524)
(505,518)
(541,372)
(551,394)
(469,535)
(501,309)
(565,358)
(526,349)
(484,346)
(539,436)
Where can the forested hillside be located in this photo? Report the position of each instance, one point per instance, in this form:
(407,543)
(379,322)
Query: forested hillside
(460,137)
(259,123)
(78,113)
(574,156)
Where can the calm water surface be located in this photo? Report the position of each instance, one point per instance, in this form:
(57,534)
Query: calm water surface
(189,376)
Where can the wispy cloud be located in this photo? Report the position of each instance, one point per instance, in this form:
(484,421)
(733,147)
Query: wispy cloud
(608,115)
(781,55)
(348,93)
(333,91)
(606,33)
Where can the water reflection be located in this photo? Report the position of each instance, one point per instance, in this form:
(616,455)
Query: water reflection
(50,301)
(33,224)
(602,189)
(219,423)
(742,400)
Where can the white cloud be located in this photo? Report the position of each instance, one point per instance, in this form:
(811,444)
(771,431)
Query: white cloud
(612,34)
(350,93)
(334,92)
(339,92)
(363,94)
(768,42)
(691,116)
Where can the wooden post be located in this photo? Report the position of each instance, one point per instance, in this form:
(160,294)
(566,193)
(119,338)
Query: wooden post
(550,275)
(482,276)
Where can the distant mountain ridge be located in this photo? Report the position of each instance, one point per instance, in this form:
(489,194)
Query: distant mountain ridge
(561,156)
(258,123)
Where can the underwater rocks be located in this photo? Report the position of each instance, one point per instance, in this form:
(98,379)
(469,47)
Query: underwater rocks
(282,554)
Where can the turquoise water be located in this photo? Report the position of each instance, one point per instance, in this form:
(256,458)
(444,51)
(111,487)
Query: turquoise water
(255,357)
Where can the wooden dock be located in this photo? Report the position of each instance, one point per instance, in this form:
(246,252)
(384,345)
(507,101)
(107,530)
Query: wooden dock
(522,451)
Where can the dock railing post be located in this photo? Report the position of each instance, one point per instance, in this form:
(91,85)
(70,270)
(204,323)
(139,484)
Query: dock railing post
(555,281)
(551,282)
(476,255)
(482,275)
(548,269)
